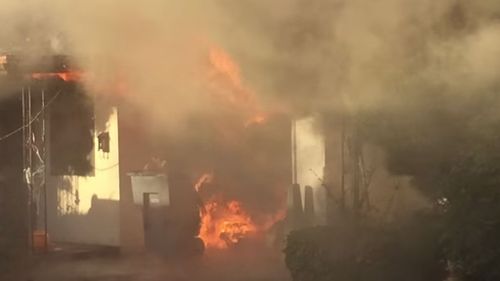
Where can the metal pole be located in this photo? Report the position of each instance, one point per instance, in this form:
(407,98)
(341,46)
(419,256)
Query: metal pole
(44,157)
(356,150)
(25,166)
(342,165)
(294,152)
(30,166)
(23,104)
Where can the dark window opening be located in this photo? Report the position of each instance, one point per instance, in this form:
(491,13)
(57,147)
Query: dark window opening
(71,130)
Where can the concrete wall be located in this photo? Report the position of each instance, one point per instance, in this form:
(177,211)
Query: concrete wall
(86,209)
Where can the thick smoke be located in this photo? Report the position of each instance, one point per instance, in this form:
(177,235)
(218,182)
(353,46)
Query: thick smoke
(154,53)
(299,57)
(294,53)
(367,55)
(154,57)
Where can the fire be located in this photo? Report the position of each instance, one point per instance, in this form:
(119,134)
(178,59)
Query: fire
(66,76)
(224,224)
(228,86)
(257,119)
(223,64)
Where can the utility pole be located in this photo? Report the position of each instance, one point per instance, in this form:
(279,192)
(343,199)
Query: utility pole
(30,166)
(44,182)
(356,173)
(28,157)
(294,151)
(34,170)
(342,165)
(25,165)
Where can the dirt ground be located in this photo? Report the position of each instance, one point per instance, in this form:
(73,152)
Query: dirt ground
(251,264)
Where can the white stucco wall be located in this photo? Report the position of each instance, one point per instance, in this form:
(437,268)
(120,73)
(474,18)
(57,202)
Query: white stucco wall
(310,161)
(73,214)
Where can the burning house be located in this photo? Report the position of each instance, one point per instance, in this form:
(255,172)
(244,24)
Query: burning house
(96,175)
(93,175)
(59,159)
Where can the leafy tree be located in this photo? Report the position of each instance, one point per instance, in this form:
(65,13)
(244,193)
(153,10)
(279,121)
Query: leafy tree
(451,148)
(367,252)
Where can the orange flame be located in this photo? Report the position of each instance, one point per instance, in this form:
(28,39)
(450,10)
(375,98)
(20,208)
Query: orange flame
(224,224)
(257,119)
(229,87)
(66,76)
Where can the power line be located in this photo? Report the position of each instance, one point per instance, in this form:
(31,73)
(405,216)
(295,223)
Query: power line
(32,120)
(107,168)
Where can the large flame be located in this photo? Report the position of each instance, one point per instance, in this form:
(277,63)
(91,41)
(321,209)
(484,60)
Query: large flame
(224,224)
(227,85)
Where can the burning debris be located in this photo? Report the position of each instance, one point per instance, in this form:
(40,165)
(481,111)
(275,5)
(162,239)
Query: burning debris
(224,224)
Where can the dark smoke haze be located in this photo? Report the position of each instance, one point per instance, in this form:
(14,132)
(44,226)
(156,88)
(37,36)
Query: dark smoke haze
(299,57)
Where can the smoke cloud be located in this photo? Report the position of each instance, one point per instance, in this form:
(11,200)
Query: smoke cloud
(303,56)
(298,57)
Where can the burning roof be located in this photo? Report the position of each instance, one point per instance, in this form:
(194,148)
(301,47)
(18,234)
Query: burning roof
(62,66)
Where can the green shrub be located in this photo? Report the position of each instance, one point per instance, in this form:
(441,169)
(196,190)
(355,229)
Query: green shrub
(406,252)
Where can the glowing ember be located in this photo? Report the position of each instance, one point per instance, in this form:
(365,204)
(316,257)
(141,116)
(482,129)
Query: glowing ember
(66,76)
(224,224)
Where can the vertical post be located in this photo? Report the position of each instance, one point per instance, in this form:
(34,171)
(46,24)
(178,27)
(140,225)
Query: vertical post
(44,157)
(342,165)
(30,167)
(23,105)
(25,166)
(356,150)
(294,152)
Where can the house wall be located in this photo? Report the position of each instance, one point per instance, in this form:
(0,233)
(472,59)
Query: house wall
(86,209)
(318,161)
(310,162)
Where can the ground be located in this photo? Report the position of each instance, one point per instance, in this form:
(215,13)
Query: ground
(250,264)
